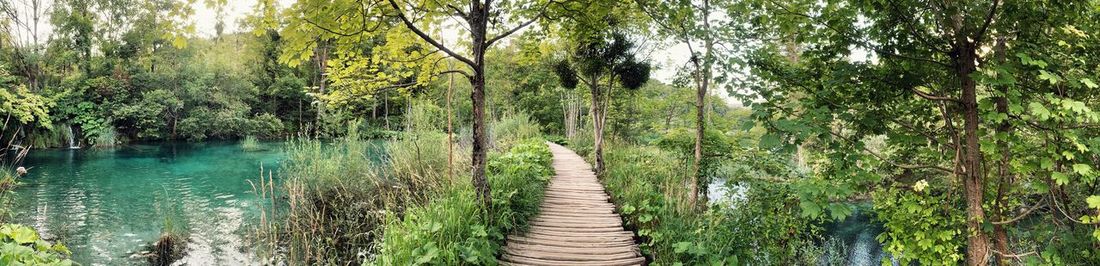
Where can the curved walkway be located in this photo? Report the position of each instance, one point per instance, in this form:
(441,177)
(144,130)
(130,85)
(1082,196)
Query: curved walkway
(576,224)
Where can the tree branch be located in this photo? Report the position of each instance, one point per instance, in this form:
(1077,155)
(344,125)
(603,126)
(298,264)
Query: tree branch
(988,20)
(1022,215)
(884,159)
(934,97)
(426,38)
(513,30)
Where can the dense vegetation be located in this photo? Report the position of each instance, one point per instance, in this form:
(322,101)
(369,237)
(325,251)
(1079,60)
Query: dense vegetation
(966,128)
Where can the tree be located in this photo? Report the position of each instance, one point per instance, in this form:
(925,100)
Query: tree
(692,24)
(940,90)
(608,60)
(393,31)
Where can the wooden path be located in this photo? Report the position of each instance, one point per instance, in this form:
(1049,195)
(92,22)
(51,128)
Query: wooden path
(576,224)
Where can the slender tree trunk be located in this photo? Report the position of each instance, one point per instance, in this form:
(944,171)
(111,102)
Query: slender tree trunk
(450,127)
(322,65)
(478,19)
(597,124)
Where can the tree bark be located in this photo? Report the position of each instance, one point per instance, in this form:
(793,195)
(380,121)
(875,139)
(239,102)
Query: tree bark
(1004,174)
(597,124)
(478,18)
(973,180)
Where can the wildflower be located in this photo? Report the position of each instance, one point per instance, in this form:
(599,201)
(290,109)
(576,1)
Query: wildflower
(920,185)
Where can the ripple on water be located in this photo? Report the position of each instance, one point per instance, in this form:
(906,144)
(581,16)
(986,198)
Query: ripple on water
(107,204)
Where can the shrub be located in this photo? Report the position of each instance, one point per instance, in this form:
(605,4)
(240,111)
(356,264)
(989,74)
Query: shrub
(454,229)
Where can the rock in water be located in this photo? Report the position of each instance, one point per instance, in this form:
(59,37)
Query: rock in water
(21,171)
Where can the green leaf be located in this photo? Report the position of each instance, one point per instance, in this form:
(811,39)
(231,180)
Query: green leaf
(24,235)
(1039,111)
(1082,169)
(1049,77)
(681,247)
(1060,178)
(1093,201)
(810,209)
(1046,163)
(769,141)
(1089,83)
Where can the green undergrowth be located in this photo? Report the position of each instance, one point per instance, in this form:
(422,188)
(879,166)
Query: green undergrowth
(651,187)
(453,228)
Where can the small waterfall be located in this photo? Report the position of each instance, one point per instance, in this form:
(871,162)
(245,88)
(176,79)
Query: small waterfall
(70,137)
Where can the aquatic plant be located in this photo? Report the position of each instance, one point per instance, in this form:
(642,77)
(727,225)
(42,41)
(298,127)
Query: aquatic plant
(249,143)
(105,138)
(21,245)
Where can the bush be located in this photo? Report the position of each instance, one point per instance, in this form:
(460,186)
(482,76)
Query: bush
(454,229)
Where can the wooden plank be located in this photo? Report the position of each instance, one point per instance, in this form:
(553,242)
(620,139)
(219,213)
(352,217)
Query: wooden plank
(542,262)
(576,224)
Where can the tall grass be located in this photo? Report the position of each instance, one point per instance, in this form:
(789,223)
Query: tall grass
(339,194)
(105,138)
(454,229)
(249,143)
(512,128)
(345,204)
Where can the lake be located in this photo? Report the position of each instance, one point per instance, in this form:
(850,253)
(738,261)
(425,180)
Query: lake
(107,204)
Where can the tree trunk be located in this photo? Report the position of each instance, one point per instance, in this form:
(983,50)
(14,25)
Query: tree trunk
(1004,174)
(977,242)
(478,18)
(597,114)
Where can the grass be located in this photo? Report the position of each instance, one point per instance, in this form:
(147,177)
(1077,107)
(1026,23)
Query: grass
(249,143)
(339,194)
(455,229)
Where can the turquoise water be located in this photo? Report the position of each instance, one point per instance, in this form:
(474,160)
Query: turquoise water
(108,204)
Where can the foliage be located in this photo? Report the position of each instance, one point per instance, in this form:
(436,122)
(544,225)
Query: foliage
(981,102)
(455,230)
(918,231)
(21,245)
(648,184)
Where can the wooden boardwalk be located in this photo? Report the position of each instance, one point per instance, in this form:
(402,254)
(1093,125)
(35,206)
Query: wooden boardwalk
(576,224)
